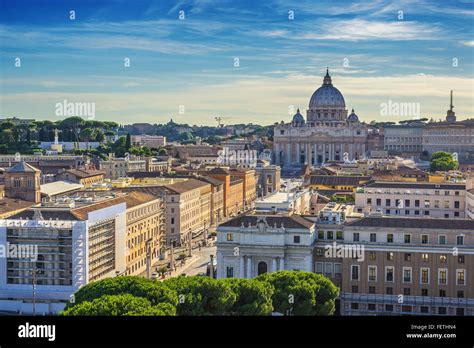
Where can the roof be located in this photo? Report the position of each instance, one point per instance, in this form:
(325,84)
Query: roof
(212,181)
(294,221)
(47,214)
(185,186)
(22,167)
(219,170)
(58,187)
(132,199)
(81,173)
(428,223)
(415,185)
(8,205)
(337,180)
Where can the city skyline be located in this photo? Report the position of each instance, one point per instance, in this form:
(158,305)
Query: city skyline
(245,62)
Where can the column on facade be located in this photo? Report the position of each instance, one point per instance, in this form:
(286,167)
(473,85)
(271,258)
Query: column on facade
(274,264)
(241,266)
(298,153)
(288,154)
(249,266)
(220,269)
(282,264)
(308,146)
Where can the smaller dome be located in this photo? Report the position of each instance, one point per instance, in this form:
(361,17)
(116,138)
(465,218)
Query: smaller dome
(298,118)
(353,117)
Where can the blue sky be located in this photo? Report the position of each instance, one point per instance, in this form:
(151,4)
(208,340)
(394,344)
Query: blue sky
(373,56)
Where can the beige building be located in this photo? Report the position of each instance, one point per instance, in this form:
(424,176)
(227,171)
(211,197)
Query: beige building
(412,199)
(115,168)
(269,178)
(146,231)
(23,181)
(408,266)
(188,209)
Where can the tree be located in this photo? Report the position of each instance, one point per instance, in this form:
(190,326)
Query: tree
(202,295)
(301,293)
(128,142)
(442,161)
(155,292)
(253,297)
(75,123)
(87,134)
(120,305)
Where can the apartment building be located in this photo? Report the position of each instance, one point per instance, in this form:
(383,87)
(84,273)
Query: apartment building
(188,209)
(217,199)
(409,266)
(146,232)
(233,191)
(249,185)
(68,248)
(412,199)
(115,168)
(269,178)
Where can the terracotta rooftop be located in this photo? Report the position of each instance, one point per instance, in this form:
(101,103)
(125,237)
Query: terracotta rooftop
(11,205)
(429,223)
(185,186)
(82,173)
(338,180)
(22,167)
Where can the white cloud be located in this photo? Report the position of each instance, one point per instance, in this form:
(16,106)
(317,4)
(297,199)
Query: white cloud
(468,43)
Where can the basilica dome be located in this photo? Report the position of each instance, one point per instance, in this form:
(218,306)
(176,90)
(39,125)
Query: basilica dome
(298,119)
(353,117)
(327,95)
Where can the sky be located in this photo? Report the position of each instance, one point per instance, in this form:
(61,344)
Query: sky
(246,61)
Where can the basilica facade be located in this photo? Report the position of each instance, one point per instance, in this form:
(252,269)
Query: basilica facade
(327,134)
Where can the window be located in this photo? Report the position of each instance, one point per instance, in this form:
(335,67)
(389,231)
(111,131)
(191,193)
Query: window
(407,274)
(337,270)
(407,238)
(371,289)
(442,276)
(460,258)
(423,309)
(319,267)
(330,235)
(425,275)
(460,277)
(460,293)
(230,272)
(460,240)
(372,255)
(354,305)
(389,271)
(456,205)
(442,239)
(355,237)
(441,310)
(172,221)
(355,272)
(328,269)
(387,202)
(390,256)
(355,289)
(371,306)
(339,235)
(389,308)
(442,293)
(230,237)
(424,239)
(379,201)
(319,251)
(296,239)
(373,237)
(369,200)
(424,257)
(320,234)
(407,203)
(417,203)
(372,273)
(460,311)
(406,291)
(407,257)
(389,291)
(442,258)
(424,292)
(390,238)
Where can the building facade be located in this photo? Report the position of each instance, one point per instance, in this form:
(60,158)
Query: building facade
(327,134)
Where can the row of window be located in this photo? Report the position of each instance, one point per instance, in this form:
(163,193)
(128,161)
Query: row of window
(407,309)
(407,275)
(399,203)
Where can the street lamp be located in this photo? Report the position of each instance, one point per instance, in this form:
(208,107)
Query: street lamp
(190,243)
(34,272)
(205,233)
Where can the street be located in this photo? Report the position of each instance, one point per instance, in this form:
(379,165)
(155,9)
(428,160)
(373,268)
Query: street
(199,265)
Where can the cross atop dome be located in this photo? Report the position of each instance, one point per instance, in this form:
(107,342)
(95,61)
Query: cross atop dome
(327,79)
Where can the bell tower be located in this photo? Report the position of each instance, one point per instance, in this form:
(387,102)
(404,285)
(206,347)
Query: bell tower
(23,181)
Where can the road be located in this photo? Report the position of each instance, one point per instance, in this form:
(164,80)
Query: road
(200,264)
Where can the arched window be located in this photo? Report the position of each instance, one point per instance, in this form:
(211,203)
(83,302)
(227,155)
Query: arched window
(262,267)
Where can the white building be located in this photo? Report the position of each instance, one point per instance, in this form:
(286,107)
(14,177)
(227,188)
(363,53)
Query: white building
(250,245)
(74,247)
(287,203)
